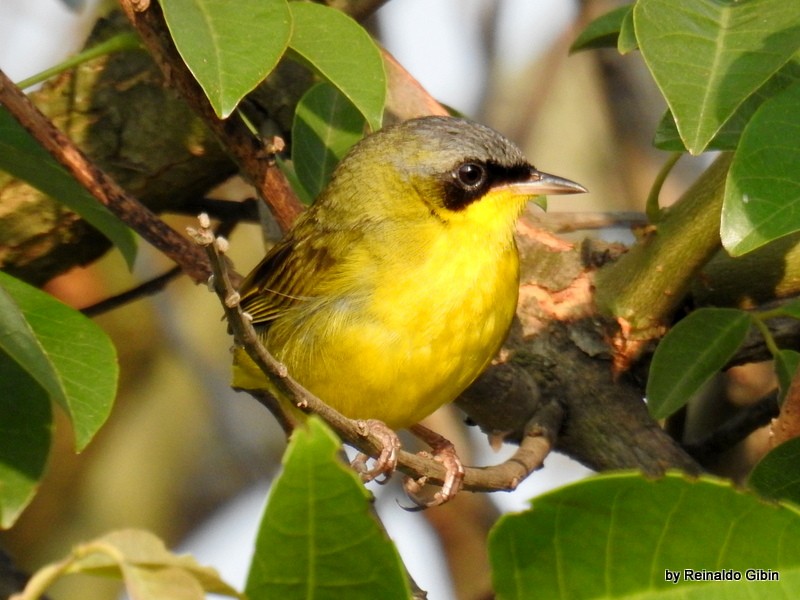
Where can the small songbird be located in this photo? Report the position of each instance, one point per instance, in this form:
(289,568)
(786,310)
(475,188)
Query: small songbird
(394,291)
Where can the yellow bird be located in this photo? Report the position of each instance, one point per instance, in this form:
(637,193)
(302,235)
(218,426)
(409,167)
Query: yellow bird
(393,292)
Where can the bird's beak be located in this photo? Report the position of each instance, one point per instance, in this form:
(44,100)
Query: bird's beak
(538,184)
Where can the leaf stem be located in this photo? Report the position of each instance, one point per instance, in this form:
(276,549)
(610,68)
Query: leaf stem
(652,208)
(769,341)
(42,580)
(118,43)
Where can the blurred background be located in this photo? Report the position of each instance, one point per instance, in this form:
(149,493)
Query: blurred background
(187,458)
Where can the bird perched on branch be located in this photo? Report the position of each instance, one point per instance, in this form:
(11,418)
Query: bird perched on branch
(396,288)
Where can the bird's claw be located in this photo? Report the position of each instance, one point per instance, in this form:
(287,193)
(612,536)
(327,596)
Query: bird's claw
(386,463)
(443,452)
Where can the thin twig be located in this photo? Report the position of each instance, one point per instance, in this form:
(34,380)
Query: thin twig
(148,288)
(155,285)
(652,207)
(224,210)
(536,444)
(567,222)
(735,429)
(132,212)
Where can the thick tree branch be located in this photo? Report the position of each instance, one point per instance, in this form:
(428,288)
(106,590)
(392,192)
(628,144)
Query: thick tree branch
(406,97)
(558,353)
(728,281)
(642,289)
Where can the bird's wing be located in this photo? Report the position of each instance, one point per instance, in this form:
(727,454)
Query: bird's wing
(288,275)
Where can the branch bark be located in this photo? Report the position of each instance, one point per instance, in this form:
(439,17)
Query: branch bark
(642,289)
(558,353)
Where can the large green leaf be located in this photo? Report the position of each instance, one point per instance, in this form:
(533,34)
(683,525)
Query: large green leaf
(727,138)
(709,56)
(66,354)
(317,538)
(762,192)
(326,125)
(618,536)
(777,475)
(340,50)
(25,432)
(230,47)
(23,157)
(690,354)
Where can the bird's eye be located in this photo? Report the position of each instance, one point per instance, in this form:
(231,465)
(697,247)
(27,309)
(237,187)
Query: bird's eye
(471,175)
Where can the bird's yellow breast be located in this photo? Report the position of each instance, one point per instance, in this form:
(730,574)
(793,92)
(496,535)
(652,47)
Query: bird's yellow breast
(409,321)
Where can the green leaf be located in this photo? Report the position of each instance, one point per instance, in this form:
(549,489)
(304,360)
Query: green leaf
(326,125)
(777,475)
(18,341)
(762,192)
(23,157)
(230,47)
(690,354)
(708,56)
(602,32)
(70,357)
(317,537)
(25,432)
(616,536)
(127,40)
(627,35)
(342,52)
(786,363)
(287,168)
(727,138)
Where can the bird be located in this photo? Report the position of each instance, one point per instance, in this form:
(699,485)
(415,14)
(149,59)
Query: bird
(397,287)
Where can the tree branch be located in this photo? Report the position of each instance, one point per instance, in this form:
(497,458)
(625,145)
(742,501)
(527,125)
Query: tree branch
(735,429)
(728,281)
(642,289)
(148,288)
(558,352)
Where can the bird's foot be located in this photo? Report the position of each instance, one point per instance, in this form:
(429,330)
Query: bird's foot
(386,463)
(445,453)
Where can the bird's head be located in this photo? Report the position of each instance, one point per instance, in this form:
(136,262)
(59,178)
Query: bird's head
(448,168)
